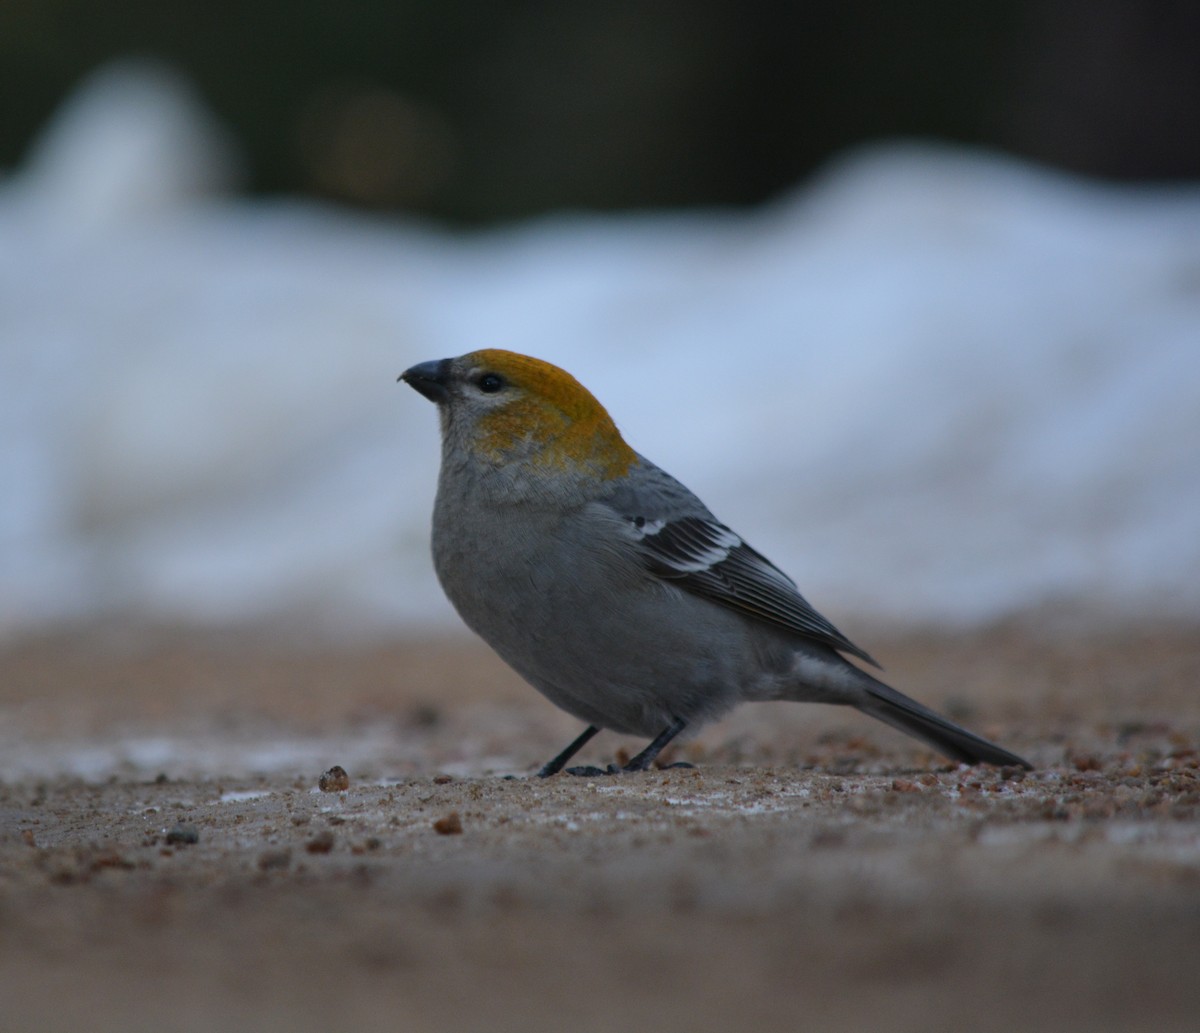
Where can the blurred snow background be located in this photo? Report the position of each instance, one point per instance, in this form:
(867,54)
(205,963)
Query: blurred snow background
(932,384)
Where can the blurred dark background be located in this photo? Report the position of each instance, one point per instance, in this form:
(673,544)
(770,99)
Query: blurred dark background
(476,111)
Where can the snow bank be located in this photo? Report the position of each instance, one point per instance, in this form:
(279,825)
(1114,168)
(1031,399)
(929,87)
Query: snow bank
(933,385)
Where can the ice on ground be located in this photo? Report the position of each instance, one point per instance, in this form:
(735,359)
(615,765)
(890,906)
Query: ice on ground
(932,384)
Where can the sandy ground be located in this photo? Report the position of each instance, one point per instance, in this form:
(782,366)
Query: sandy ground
(168,862)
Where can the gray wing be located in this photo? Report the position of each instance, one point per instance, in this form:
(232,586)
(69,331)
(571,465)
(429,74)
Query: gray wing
(709,559)
(685,544)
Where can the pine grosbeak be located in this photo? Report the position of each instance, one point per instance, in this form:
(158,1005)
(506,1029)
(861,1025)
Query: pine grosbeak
(609,586)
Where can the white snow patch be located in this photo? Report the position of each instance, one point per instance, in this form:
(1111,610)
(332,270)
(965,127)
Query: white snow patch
(931,384)
(242,795)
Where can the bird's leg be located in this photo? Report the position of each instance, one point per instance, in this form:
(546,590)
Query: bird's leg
(639,763)
(553,767)
(644,759)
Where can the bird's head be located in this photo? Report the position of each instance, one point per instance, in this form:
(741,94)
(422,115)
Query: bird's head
(502,407)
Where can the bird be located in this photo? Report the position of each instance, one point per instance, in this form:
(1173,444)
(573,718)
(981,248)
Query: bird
(610,587)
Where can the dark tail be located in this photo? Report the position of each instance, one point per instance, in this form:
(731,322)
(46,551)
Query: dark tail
(907,715)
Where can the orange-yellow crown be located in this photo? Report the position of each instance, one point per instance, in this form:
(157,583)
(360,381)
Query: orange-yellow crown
(554,412)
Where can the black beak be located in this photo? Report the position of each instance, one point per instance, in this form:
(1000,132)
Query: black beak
(429,378)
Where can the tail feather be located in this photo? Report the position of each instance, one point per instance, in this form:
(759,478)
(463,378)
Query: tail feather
(907,715)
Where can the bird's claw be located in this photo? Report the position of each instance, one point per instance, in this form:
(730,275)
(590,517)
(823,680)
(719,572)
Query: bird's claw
(590,771)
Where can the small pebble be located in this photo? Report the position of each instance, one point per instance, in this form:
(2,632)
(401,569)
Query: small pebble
(271,859)
(450,825)
(335,780)
(321,843)
(183,834)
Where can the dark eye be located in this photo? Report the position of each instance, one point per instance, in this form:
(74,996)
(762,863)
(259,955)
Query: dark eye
(490,383)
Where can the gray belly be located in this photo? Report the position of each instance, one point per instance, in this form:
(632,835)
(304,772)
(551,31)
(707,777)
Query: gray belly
(592,637)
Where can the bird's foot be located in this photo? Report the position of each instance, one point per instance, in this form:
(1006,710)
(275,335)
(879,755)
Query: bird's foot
(590,771)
